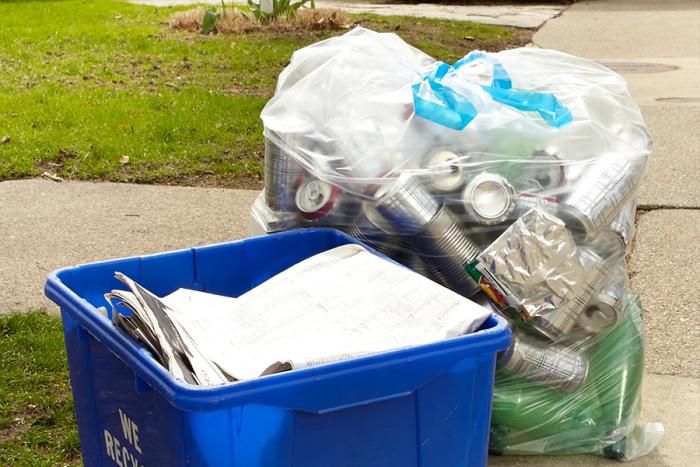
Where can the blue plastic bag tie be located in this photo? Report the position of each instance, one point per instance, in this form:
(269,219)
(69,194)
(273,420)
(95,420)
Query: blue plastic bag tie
(453,110)
(546,105)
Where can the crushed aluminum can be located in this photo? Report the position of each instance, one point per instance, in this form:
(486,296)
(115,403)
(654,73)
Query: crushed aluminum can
(556,324)
(488,199)
(434,233)
(599,194)
(445,175)
(283,174)
(556,366)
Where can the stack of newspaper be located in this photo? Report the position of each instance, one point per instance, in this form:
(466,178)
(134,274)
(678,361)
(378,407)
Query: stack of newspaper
(340,304)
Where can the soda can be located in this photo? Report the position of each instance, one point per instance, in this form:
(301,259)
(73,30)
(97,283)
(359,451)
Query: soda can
(372,229)
(445,174)
(434,233)
(557,323)
(488,199)
(537,360)
(598,196)
(623,224)
(323,203)
(282,176)
(615,240)
(264,220)
(604,310)
(543,171)
(526,201)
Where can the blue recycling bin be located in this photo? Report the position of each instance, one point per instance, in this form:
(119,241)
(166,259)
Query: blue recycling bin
(427,405)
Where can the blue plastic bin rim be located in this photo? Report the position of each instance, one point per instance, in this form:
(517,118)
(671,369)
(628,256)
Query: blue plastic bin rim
(493,336)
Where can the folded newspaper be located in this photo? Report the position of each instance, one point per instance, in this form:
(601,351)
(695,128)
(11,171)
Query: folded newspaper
(339,304)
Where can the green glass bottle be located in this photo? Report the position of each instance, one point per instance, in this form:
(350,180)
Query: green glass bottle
(531,418)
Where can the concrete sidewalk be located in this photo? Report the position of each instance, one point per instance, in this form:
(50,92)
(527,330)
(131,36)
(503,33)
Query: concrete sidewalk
(46,225)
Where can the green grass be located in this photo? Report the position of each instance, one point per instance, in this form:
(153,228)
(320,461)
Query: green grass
(83,83)
(37,423)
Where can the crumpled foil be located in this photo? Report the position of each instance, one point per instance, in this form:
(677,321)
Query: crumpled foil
(534,264)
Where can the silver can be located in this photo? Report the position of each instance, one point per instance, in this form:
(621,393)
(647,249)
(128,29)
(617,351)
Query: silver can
(282,176)
(615,240)
(623,224)
(372,229)
(543,171)
(434,233)
(557,323)
(445,175)
(525,201)
(604,310)
(323,203)
(488,199)
(540,361)
(598,196)
(264,220)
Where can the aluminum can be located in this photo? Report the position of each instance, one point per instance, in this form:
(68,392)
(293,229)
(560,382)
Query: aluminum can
(323,203)
(445,174)
(525,201)
(435,234)
(543,362)
(282,176)
(488,199)
(623,224)
(372,229)
(598,196)
(543,171)
(556,324)
(604,310)
(615,240)
(264,220)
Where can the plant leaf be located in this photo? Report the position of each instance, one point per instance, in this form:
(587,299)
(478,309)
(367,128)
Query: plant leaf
(208,22)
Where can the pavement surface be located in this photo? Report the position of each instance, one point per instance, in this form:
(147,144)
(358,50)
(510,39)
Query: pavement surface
(655,45)
(517,15)
(46,225)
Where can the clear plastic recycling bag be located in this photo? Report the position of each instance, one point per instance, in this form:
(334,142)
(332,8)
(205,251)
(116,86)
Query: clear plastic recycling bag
(508,177)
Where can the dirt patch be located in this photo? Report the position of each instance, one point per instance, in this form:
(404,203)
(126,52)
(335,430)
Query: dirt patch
(20,424)
(460,44)
(235,21)
(56,162)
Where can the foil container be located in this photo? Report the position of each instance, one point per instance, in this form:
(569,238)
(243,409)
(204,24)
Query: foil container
(558,324)
(534,265)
